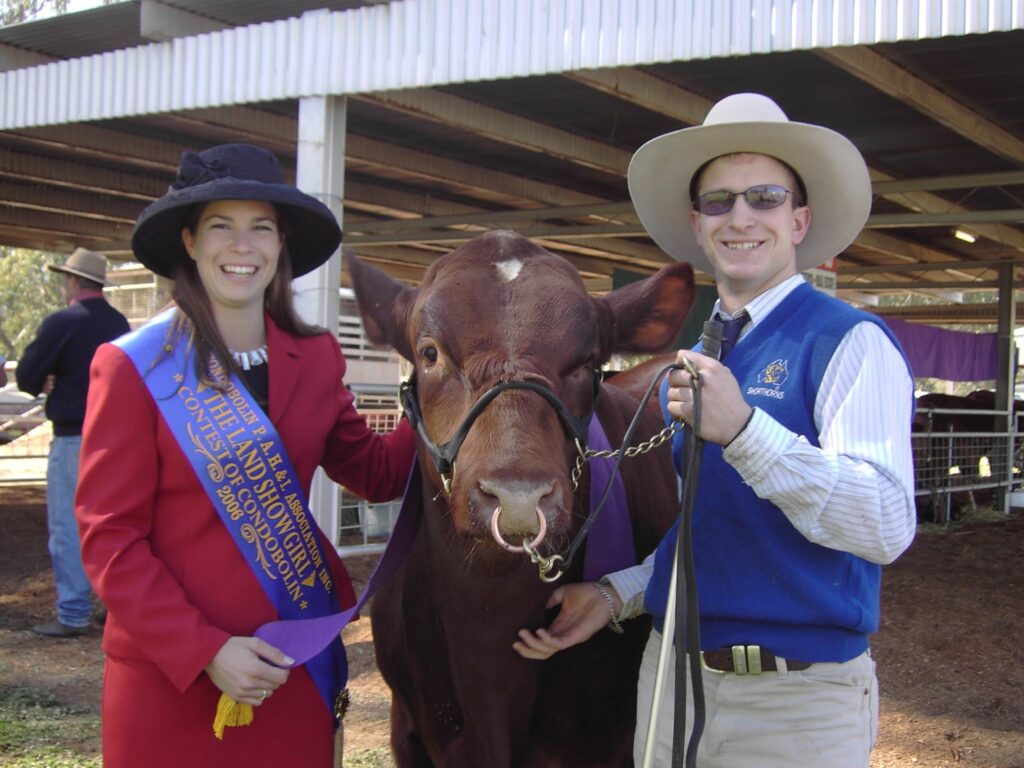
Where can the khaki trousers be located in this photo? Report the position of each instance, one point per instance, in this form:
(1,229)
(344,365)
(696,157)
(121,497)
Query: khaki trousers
(826,715)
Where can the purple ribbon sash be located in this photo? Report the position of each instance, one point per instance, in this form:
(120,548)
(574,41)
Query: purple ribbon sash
(610,542)
(305,638)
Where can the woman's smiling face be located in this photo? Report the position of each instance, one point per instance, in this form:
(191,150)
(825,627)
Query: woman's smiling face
(236,246)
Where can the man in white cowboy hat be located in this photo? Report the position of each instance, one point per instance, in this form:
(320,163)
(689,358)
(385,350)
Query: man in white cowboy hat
(806,482)
(57,363)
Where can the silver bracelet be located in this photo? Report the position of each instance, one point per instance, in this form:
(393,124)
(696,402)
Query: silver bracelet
(613,621)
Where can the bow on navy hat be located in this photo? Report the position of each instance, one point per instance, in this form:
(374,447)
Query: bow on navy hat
(229,160)
(233,172)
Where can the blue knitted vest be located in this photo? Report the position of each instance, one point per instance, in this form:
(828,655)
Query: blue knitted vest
(759,581)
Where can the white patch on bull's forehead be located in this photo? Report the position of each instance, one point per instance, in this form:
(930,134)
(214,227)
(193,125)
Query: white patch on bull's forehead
(508,270)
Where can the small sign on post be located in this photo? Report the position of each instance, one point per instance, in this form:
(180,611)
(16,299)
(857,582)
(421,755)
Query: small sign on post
(823,277)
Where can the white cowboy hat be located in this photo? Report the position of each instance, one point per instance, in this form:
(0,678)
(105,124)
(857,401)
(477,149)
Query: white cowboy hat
(833,171)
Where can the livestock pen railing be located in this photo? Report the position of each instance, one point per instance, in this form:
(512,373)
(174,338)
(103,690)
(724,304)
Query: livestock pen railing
(962,457)
(363,527)
(25,437)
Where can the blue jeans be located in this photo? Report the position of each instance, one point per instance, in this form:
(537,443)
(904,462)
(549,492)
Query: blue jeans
(74,607)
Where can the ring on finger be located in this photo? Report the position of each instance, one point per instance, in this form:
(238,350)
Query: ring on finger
(263,694)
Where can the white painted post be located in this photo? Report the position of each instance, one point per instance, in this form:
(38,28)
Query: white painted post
(320,172)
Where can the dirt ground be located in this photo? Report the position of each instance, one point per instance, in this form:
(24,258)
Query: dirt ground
(950,653)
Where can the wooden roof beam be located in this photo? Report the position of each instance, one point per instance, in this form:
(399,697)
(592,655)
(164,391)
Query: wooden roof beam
(647,91)
(506,127)
(888,77)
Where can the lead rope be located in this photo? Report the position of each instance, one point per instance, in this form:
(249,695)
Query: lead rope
(682,612)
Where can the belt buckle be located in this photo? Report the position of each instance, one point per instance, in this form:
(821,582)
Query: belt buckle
(753,659)
(746,660)
(739,659)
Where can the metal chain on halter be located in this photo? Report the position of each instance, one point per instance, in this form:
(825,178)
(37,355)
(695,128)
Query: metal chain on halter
(582,456)
(546,564)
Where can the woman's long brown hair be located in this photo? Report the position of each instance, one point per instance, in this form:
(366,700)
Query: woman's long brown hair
(196,319)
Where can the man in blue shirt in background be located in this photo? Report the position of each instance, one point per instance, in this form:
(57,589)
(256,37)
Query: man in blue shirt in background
(57,363)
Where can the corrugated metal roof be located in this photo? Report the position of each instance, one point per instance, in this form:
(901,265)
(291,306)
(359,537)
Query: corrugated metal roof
(419,43)
(255,11)
(114,26)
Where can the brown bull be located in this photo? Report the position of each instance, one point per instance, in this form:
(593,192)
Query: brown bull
(500,309)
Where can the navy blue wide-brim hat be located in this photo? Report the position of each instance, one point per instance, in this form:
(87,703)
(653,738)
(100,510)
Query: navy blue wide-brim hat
(233,172)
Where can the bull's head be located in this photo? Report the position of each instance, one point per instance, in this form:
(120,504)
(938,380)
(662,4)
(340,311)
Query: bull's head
(502,309)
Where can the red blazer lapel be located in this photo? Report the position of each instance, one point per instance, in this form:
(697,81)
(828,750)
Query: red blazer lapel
(284,371)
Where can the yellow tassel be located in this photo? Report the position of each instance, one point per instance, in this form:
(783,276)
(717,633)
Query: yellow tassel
(230,712)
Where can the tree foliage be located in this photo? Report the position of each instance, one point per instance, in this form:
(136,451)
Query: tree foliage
(28,293)
(24,10)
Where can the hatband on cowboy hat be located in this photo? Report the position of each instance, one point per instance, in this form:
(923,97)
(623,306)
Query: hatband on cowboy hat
(233,172)
(84,263)
(833,172)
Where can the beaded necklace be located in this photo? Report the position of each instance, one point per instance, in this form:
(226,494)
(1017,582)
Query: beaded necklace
(247,360)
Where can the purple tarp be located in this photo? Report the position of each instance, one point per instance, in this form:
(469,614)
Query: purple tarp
(952,355)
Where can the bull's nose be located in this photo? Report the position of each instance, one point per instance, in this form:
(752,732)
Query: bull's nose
(519,501)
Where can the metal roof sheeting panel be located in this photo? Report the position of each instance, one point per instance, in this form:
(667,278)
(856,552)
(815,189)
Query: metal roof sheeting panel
(422,43)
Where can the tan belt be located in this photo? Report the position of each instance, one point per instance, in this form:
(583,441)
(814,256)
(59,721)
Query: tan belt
(746,660)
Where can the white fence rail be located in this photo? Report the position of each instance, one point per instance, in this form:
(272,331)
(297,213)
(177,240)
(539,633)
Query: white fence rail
(958,464)
(363,527)
(354,343)
(25,437)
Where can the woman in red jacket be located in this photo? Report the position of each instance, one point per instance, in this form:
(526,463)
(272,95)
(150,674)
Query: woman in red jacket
(202,434)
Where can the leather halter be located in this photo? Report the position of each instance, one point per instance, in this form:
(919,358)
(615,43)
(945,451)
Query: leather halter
(444,455)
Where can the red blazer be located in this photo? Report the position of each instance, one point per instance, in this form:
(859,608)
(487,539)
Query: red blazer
(154,548)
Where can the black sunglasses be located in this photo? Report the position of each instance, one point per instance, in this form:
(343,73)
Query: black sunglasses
(762,198)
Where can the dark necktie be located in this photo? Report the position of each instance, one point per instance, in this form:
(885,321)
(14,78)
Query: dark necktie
(720,336)
(731,331)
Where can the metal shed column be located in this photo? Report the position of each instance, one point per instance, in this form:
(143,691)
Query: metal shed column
(1006,375)
(320,171)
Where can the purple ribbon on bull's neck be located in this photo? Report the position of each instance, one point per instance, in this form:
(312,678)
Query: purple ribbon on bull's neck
(304,638)
(610,541)
(609,548)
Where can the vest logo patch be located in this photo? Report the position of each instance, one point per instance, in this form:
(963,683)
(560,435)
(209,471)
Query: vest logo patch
(771,379)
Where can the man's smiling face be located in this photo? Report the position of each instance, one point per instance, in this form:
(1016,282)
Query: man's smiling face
(751,250)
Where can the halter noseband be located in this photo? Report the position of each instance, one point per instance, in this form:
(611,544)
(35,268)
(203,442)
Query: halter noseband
(444,455)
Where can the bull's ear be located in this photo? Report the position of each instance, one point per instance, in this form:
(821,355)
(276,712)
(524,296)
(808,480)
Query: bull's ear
(384,304)
(646,316)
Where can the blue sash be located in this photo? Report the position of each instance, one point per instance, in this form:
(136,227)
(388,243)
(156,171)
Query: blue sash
(240,461)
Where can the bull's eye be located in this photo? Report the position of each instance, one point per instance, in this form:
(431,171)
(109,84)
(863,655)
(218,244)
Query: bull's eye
(429,355)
